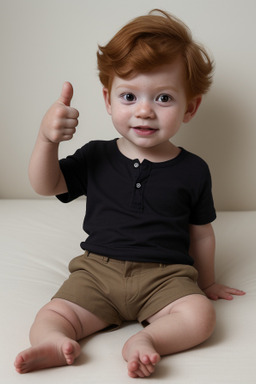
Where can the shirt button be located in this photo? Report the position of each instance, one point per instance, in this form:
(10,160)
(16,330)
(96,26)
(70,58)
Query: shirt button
(136,165)
(138,185)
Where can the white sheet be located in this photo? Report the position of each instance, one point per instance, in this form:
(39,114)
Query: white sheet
(37,240)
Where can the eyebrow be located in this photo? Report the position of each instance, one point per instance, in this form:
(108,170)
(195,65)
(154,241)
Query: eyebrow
(160,88)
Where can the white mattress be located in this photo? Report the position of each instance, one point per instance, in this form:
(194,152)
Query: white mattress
(39,237)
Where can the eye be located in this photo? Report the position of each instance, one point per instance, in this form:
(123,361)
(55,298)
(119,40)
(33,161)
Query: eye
(164,98)
(128,97)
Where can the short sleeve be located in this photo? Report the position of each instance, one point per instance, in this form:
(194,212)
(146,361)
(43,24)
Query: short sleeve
(203,210)
(74,169)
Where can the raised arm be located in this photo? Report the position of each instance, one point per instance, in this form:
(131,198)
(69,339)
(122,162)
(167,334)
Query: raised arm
(202,250)
(59,124)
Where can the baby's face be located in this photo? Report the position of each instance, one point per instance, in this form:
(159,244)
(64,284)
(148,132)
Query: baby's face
(148,109)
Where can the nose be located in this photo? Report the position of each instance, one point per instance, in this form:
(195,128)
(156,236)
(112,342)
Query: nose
(144,110)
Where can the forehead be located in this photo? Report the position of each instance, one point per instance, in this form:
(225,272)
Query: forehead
(172,74)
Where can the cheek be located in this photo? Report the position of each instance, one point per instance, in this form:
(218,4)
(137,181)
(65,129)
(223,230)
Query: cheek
(177,116)
(118,121)
(172,122)
(120,116)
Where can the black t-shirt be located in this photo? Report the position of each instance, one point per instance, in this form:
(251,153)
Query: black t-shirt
(138,211)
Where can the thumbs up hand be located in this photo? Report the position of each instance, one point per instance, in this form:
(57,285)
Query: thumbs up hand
(60,121)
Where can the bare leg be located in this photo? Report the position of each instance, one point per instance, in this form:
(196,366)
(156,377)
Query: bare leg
(181,325)
(54,334)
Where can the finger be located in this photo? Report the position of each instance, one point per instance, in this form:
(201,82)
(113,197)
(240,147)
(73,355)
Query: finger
(67,137)
(230,292)
(69,123)
(213,297)
(72,113)
(66,93)
(226,296)
(236,292)
(62,111)
(68,134)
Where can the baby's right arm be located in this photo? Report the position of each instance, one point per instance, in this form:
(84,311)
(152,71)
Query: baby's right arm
(59,124)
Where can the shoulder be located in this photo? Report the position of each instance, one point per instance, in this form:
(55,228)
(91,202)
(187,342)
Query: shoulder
(194,163)
(193,169)
(193,159)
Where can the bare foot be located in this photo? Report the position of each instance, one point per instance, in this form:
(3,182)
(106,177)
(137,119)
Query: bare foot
(46,355)
(140,354)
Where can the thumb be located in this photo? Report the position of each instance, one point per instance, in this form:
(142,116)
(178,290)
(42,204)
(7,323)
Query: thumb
(66,93)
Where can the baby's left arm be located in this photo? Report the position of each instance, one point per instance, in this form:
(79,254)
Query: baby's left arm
(202,250)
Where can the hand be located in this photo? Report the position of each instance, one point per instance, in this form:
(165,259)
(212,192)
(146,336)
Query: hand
(219,291)
(60,121)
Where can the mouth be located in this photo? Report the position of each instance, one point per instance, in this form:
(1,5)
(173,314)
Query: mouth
(144,130)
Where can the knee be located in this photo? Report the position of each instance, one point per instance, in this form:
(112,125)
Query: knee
(199,316)
(60,312)
(54,308)
(205,318)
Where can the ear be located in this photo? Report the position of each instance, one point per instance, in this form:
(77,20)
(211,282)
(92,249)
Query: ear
(106,96)
(192,108)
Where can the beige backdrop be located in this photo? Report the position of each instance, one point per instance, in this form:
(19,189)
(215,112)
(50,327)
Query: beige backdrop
(44,43)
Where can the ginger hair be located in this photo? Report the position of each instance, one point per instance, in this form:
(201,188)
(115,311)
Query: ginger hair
(152,40)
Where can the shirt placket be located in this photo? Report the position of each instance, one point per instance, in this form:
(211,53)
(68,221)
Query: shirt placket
(140,175)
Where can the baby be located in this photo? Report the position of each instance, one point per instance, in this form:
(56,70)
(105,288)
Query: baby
(149,253)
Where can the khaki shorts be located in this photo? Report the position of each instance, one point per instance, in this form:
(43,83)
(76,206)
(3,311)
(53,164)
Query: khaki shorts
(118,291)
